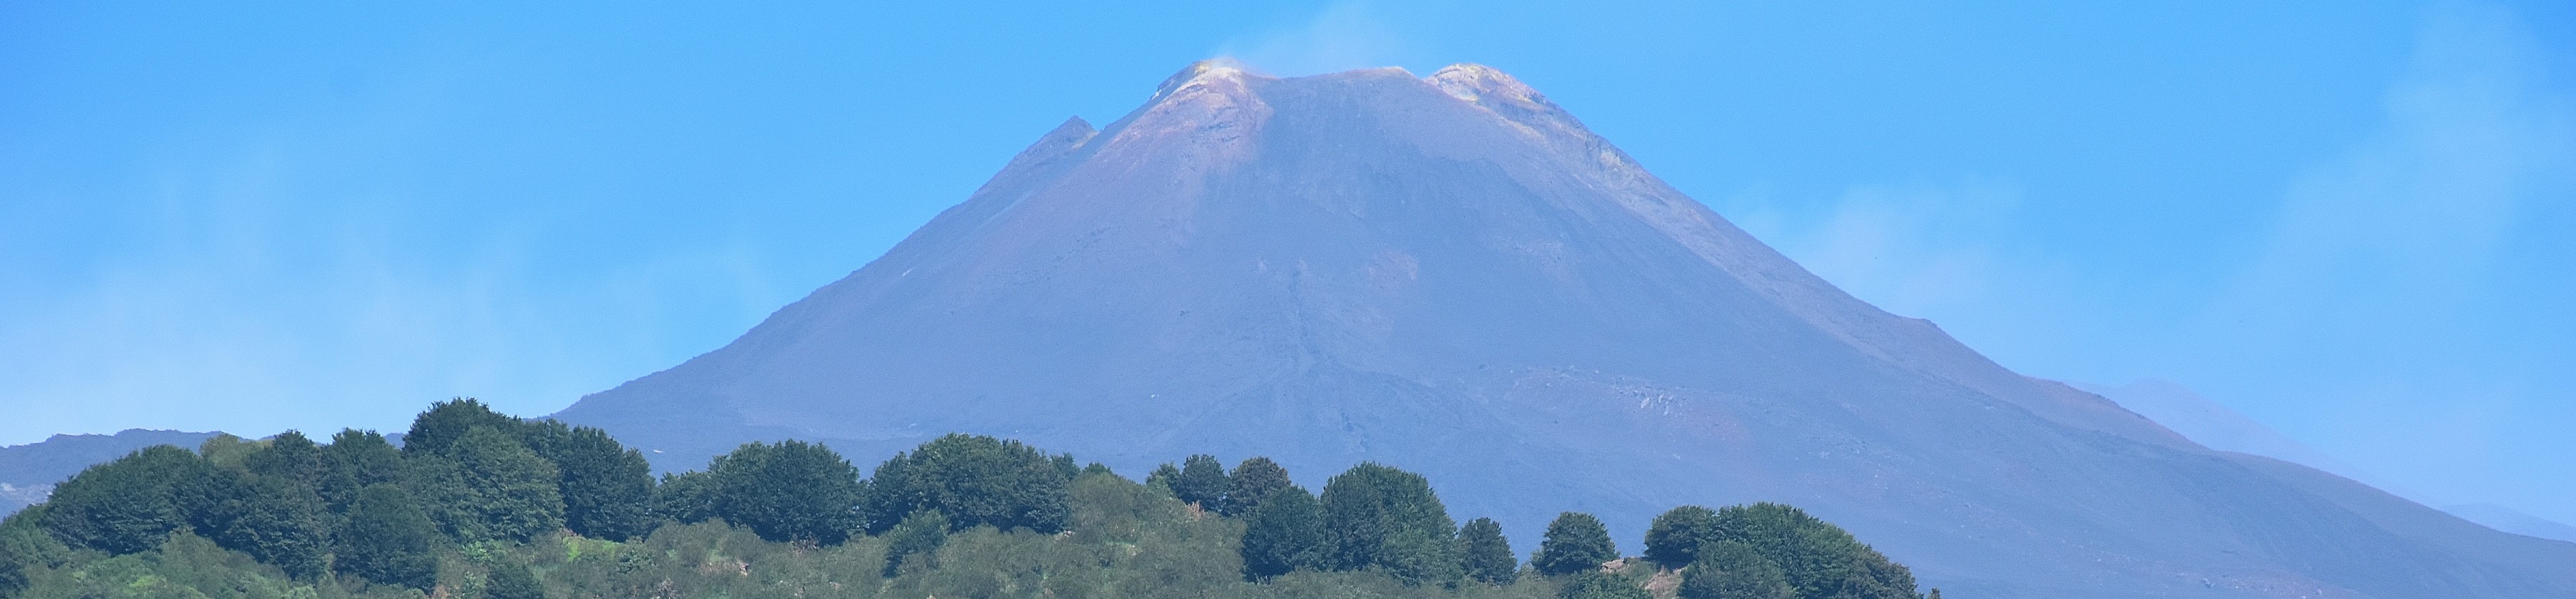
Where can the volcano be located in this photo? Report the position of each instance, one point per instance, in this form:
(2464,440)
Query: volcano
(1450,274)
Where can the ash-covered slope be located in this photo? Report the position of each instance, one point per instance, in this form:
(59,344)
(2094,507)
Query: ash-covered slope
(1452,275)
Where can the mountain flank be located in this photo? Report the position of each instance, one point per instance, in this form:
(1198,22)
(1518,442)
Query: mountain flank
(1453,275)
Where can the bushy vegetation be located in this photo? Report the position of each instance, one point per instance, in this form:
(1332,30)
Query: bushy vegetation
(480,504)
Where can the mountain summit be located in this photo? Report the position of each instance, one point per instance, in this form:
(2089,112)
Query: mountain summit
(1452,274)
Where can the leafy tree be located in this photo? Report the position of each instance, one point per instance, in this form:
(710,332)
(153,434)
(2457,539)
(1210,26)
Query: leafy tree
(447,421)
(918,534)
(1254,479)
(1592,584)
(607,489)
(486,486)
(1576,542)
(25,546)
(1285,534)
(228,451)
(513,580)
(1486,555)
(1819,559)
(1380,517)
(1936,594)
(292,456)
(1674,539)
(1731,570)
(1064,463)
(277,520)
(13,564)
(792,490)
(213,499)
(1162,476)
(687,497)
(388,540)
(367,457)
(124,506)
(973,480)
(1202,482)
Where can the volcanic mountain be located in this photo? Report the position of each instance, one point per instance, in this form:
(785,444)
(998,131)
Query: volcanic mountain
(1452,275)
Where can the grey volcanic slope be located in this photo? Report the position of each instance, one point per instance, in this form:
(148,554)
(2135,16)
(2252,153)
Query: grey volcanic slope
(2217,427)
(2513,521)
(2214,425)
(1452,275)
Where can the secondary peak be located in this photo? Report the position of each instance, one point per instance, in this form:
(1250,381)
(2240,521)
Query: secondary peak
(1222,66)
(1471,82)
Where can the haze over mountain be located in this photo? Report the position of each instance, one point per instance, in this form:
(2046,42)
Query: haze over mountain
(2216,426)
(1453,275)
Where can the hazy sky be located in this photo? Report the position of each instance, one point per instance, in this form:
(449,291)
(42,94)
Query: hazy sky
(2353,221)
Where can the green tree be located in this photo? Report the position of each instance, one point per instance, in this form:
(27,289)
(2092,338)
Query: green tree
(607,489)
(1201,482)
(1731,570)
(447,421)
(19,532)
(1162,476)
(13,573)
(213,499)
(1064,463)
(1254,479)
(124,506)
(975,480)
(388,540)
(1673,540)
(1819,559)
(1486,555)
(1575,542)
(920,533)
(1284,535)
(512,580)
(292,456)
(889,497)
(228,451)
(486,486)
(367,457)
(792,490)
(1381,517)
(1592,584)
(278,521)
(686,497)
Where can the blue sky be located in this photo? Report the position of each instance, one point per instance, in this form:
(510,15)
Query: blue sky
(2353,221)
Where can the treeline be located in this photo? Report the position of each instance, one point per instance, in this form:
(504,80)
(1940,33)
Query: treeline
(480,504)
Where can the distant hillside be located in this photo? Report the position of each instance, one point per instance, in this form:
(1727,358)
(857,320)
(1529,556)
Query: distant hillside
(2214,425)
(28,472)
(2513,521)
(2219,427)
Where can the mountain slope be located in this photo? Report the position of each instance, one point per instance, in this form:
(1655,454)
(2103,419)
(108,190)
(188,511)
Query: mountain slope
(2513,521)
(2218,427)
(1451,274)
(2213,425)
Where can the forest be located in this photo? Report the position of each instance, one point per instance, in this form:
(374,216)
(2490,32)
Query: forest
(477,504)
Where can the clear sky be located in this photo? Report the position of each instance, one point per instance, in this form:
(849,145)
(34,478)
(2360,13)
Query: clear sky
(2354,221)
